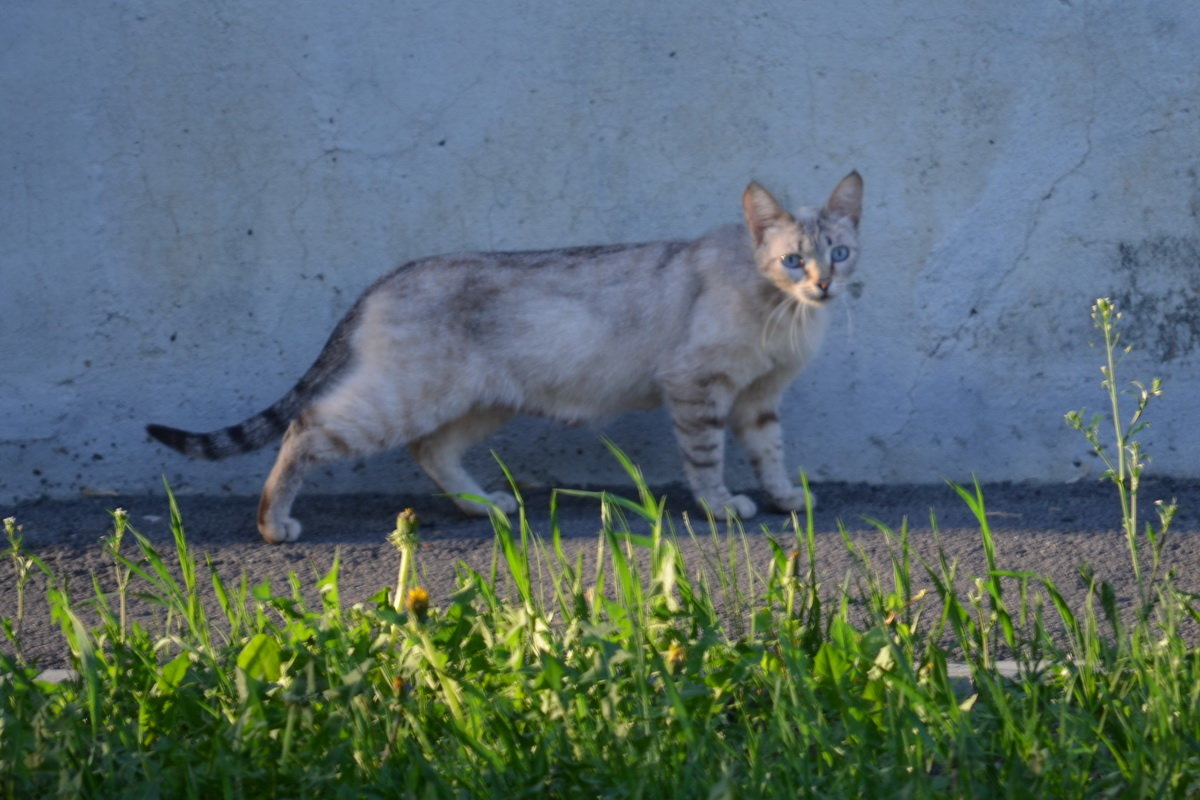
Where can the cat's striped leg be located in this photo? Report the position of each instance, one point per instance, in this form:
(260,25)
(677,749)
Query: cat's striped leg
(299,452)
(698,413)
(755,422)
(313,438)
(440,454)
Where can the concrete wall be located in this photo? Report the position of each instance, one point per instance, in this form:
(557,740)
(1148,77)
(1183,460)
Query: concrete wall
(191,194)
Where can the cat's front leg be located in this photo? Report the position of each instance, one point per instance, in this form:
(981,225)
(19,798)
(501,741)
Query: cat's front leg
(755,422)
(698,413)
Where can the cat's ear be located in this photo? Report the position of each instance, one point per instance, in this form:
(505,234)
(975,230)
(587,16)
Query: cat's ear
(762,211)
(846,199)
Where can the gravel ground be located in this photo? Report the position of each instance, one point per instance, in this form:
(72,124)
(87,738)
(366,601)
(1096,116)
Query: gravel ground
(1051,529)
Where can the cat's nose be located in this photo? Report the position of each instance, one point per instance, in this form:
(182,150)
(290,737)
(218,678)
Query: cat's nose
(823,285)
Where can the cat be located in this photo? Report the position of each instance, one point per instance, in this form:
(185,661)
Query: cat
(443,351)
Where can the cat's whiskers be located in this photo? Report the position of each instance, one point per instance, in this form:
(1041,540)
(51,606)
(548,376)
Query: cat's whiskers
(776,317)
(799,317)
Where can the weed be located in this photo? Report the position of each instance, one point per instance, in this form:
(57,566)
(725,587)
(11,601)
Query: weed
(1123,456)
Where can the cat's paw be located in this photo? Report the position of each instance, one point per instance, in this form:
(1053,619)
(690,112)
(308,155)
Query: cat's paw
(504,501)
(795,500)
(289,531)
(737,506)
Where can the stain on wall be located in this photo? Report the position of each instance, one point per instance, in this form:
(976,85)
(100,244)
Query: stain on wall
(1159,292)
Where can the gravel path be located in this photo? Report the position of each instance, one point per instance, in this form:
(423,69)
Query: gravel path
(1053,530)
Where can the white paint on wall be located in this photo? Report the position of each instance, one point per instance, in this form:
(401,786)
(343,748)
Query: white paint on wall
(192,194)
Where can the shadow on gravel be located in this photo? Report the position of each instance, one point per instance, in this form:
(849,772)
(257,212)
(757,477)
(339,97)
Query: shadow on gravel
(1090,507)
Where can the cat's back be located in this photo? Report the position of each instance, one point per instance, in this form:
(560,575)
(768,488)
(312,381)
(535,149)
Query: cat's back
(573,334)
(515,294)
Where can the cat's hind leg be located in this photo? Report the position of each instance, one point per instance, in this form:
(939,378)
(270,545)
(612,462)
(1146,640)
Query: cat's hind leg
(304,446)
(440,454)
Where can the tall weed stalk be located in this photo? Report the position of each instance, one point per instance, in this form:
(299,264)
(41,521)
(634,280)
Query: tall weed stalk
(1123,455)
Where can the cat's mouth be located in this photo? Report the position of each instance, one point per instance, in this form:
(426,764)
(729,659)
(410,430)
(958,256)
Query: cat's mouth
(816,295)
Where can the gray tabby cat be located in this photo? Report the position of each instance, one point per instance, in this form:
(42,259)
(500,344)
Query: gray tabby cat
(443,351)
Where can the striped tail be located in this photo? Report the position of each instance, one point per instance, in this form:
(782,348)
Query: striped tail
(251,434)
(267,426)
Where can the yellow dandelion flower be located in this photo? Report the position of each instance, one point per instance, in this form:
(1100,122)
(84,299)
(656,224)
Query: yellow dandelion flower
(676,656)
(417,603)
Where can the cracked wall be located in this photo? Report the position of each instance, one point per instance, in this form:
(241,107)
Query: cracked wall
(192,199)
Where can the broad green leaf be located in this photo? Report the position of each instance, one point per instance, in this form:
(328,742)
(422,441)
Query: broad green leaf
(260,658)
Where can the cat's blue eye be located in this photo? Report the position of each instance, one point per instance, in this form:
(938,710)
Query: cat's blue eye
(791,260)
(839,253)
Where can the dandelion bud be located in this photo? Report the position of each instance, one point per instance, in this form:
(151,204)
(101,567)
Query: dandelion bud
(405,534)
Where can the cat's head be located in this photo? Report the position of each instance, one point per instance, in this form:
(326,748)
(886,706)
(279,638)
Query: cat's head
(808,255)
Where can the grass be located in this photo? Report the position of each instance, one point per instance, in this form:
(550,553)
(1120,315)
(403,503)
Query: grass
(640,677)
